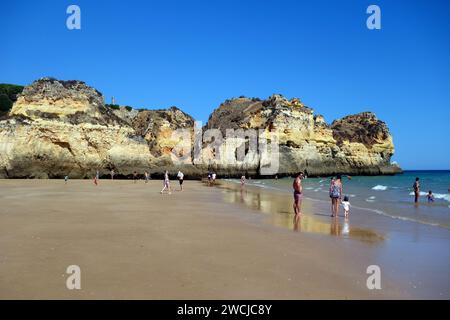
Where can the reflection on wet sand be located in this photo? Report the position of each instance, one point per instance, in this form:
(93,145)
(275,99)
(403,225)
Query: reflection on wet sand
(278,207)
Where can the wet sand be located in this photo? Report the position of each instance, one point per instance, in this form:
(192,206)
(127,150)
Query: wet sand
(204,243)
(413,255)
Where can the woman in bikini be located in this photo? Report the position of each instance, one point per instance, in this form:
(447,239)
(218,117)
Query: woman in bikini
(335,195)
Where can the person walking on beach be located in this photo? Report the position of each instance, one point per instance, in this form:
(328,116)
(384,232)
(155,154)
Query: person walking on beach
(166,183)
(97,177)
(66,178)
(336,195)
(298,189)
(209,178)
(112,174)
(213,178)
(146,176)
(180,176)
(242,182)
(416,187)
(346,206)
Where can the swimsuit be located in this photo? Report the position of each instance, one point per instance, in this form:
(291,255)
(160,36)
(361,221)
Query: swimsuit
(346,205)
(297,196)
(335,191)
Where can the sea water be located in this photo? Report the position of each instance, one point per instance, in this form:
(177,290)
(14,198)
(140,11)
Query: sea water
(390,196)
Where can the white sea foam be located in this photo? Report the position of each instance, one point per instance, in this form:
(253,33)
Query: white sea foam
(380,212)
(403,218)
(379,187)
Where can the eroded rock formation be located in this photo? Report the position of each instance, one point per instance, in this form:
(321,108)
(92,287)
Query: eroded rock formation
(59,128)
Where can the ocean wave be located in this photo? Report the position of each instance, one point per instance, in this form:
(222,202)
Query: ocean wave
(442,196)
(380,187)
(382,213)
(387,215)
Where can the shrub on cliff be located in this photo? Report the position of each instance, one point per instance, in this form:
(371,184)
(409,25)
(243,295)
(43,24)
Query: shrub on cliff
(113,106)
(5,103)
(11,90)
(8,95)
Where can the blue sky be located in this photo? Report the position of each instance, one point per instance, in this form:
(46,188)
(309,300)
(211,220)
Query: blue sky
(195,54)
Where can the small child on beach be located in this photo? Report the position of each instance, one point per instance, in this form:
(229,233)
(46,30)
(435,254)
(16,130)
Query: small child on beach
(346,205)
(430,196)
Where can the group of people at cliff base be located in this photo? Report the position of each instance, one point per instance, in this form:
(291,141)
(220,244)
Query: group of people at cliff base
(147,177)
(112,174)
(180,176)
(336,195)
(166,182)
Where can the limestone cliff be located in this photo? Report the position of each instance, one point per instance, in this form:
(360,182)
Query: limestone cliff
(58,128)
(356,144)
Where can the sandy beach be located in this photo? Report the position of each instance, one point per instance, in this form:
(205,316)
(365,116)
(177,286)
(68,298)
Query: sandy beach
(203,243)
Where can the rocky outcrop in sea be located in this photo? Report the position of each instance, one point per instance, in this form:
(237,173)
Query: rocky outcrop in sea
(58,128)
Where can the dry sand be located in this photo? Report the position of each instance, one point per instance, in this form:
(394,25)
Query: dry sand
(133,243)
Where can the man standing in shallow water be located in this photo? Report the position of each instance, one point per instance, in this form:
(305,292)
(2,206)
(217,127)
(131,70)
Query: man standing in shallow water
(416,187)
(298,189)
